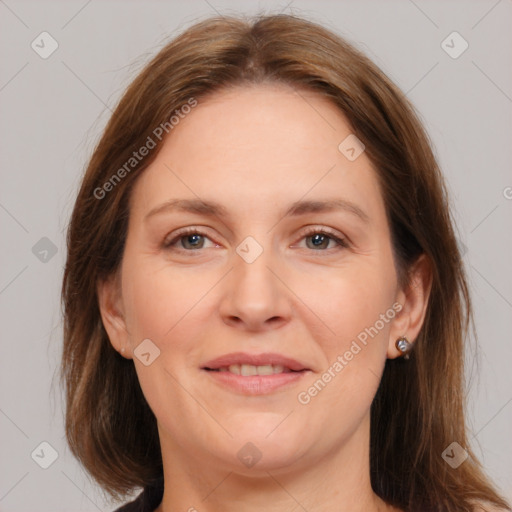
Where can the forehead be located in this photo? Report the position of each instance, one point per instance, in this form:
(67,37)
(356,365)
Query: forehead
(250,147)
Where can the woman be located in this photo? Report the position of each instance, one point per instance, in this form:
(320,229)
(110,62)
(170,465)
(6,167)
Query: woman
(264,301)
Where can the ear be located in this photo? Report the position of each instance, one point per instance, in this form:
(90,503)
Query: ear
(112,314)
(414,300)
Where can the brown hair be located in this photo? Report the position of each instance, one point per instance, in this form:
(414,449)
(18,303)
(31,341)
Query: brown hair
(419,407)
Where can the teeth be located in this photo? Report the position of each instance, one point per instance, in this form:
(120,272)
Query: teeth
(234,368)
(265,370)
(248,370)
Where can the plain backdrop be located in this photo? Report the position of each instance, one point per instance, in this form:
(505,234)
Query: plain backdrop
(53,111)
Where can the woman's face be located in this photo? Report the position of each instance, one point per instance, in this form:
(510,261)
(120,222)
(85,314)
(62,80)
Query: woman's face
(276,258)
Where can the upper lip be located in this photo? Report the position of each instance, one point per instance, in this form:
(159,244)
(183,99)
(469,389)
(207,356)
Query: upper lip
(268,358)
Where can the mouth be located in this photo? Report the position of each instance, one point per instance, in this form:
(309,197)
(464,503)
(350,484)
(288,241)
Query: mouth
(248,370)
(251,374)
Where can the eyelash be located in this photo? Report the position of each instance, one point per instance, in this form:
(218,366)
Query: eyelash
(168,245)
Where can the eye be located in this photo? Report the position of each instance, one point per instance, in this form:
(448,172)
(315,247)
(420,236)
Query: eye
(192,239)
(321,239)
(189,239)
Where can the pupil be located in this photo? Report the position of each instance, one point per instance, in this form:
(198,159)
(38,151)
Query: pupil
(318,239)
(193,240)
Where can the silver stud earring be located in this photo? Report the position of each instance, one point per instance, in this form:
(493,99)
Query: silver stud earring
(404,346)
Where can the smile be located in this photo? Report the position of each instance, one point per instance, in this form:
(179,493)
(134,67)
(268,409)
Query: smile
(247,370)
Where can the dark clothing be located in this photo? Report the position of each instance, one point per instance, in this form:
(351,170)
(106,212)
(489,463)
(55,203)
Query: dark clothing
(147,501)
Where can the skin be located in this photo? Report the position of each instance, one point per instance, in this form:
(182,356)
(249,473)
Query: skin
(256,150)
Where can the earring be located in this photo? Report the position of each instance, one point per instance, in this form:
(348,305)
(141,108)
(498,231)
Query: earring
(404,346)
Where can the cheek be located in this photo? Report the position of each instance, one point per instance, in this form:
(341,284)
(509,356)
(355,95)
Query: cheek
(160,302)
(357,308)
(167,306)
(353,304)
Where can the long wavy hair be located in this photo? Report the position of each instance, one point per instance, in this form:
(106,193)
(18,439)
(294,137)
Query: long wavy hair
(419,407)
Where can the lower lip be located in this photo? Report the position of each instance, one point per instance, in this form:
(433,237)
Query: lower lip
(256,384)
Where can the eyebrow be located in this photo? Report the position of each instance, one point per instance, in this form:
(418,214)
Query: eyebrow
(214,209)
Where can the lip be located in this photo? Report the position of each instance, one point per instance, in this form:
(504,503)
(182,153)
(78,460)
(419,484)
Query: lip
(256,360)
(255,384)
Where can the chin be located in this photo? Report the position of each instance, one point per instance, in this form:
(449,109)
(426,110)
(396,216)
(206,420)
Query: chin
(258,458)
(263,447)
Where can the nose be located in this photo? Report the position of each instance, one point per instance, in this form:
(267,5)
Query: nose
(255,297)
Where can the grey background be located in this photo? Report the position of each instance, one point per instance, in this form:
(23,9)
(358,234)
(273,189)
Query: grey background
(53,111)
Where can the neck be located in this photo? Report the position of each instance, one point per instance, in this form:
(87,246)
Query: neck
(339,480)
